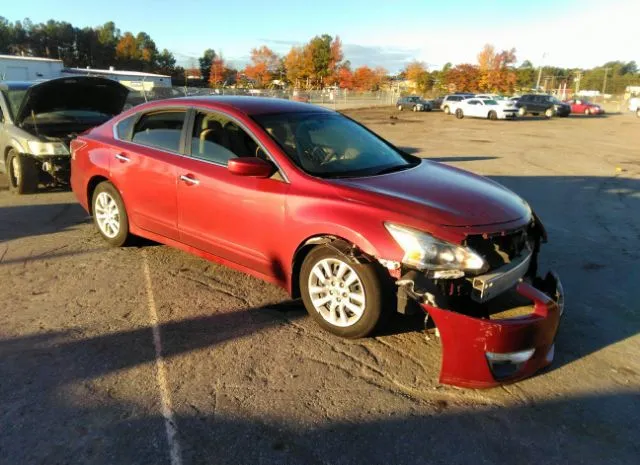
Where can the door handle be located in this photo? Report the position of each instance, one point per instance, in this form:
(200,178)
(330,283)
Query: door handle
(189,179)
(121,157)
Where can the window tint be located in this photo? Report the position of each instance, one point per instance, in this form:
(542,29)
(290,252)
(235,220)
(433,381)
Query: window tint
(474,102)
(124,127)
(160,129)
(217,139)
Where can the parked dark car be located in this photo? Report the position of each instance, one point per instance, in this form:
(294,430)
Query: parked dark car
(542,104)
(38,120)
(313,201)
(413,103)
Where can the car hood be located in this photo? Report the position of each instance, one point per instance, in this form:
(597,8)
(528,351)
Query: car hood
(443,195)
(73,93)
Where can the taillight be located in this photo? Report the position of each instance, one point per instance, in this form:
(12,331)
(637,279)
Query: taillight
(75,145)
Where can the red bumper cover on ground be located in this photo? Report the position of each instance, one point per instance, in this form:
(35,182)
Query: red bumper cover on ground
(467,340)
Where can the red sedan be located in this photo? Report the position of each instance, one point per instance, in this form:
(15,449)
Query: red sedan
(313,201)
(584,107)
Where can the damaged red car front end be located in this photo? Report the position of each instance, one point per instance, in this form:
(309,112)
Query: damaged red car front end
(483,353)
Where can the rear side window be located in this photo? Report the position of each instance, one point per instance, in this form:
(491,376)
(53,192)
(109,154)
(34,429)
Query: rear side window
(161,129)
(124,127)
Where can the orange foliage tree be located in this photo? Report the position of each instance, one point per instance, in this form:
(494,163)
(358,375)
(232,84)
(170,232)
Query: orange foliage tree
(345,78)
(264,63)
(217,72)
(463,78)
(495,68)
(366,79)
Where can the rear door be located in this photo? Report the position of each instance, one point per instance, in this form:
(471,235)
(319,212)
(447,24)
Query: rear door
(238,218)
(144,169)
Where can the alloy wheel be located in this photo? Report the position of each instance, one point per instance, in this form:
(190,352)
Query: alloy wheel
(336,292)
(107,215)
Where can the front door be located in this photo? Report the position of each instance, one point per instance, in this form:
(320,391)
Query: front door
(237,218)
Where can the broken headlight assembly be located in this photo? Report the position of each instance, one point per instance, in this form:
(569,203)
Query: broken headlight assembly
(47,148)
(424,252)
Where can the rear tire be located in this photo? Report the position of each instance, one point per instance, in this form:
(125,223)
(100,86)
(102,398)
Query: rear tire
(348,301)
(522,111)
(415,108)
(493,115)
(400,108)
(638,112)
(459,113)
(548,113)
(587,112)
(110,215)
(446,110)
(22,173)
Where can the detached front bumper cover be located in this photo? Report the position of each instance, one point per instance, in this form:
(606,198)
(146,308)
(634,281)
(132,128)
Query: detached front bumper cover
(481,353)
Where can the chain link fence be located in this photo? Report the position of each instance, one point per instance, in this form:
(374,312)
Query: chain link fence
(337,99)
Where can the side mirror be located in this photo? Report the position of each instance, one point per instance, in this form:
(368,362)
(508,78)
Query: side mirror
(251,166)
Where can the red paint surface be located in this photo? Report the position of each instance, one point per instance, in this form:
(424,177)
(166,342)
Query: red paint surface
(466,340)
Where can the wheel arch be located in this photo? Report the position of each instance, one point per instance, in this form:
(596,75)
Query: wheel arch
(341,244)
(91,187)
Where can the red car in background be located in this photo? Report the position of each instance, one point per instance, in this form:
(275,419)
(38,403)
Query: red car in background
(584,107)
(311,200)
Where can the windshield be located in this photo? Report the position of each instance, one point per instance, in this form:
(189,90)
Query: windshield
(14,99)
(330,145)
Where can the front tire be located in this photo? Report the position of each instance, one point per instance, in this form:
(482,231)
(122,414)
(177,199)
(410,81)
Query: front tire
(587,112)
(400,108)
(459,114)
(522,111)
(638,112)
(343,297)
(415,108)
(446,110)
(110,215)
(22,173)
(548,113)
(493,115)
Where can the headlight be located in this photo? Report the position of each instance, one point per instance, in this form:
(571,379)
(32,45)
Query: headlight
(47,148)
(425,252)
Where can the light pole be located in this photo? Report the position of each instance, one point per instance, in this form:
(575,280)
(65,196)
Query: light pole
(604,82)
(540,71)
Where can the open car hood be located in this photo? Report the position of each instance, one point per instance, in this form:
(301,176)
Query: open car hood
(73,93)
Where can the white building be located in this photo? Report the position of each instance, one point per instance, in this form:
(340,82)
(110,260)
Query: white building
(135,80)
(19,68)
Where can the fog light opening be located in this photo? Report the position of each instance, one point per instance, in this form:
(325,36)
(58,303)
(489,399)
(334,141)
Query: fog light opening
(508,364)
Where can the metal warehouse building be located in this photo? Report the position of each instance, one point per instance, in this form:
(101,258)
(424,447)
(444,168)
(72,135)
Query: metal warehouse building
(19,68)
(135,80)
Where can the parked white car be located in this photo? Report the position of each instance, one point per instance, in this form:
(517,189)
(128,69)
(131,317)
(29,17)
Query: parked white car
(450,102)
(484,108)
(504,102)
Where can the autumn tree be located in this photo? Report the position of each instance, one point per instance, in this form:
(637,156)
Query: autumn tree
(367,79)
(216,72)
(462,78)
(205,62)
(296,65)
(264,64)
(127,49)
(345,77)
(495,70)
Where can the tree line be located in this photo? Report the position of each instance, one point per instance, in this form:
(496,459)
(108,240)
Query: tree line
(317,64)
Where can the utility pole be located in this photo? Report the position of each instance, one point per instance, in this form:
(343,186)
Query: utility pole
(604,82)
(578,78)
(540,71)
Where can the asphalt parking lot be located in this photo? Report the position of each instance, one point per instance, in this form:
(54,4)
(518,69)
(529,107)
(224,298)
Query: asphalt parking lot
(247,378)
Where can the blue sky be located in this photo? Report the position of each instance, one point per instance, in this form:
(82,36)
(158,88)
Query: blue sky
(580,33)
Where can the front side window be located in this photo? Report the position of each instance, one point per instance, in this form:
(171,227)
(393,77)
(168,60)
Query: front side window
(217,139)
(160,129)
(330,145)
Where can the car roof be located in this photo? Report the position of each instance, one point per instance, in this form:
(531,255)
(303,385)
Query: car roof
(255,105)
